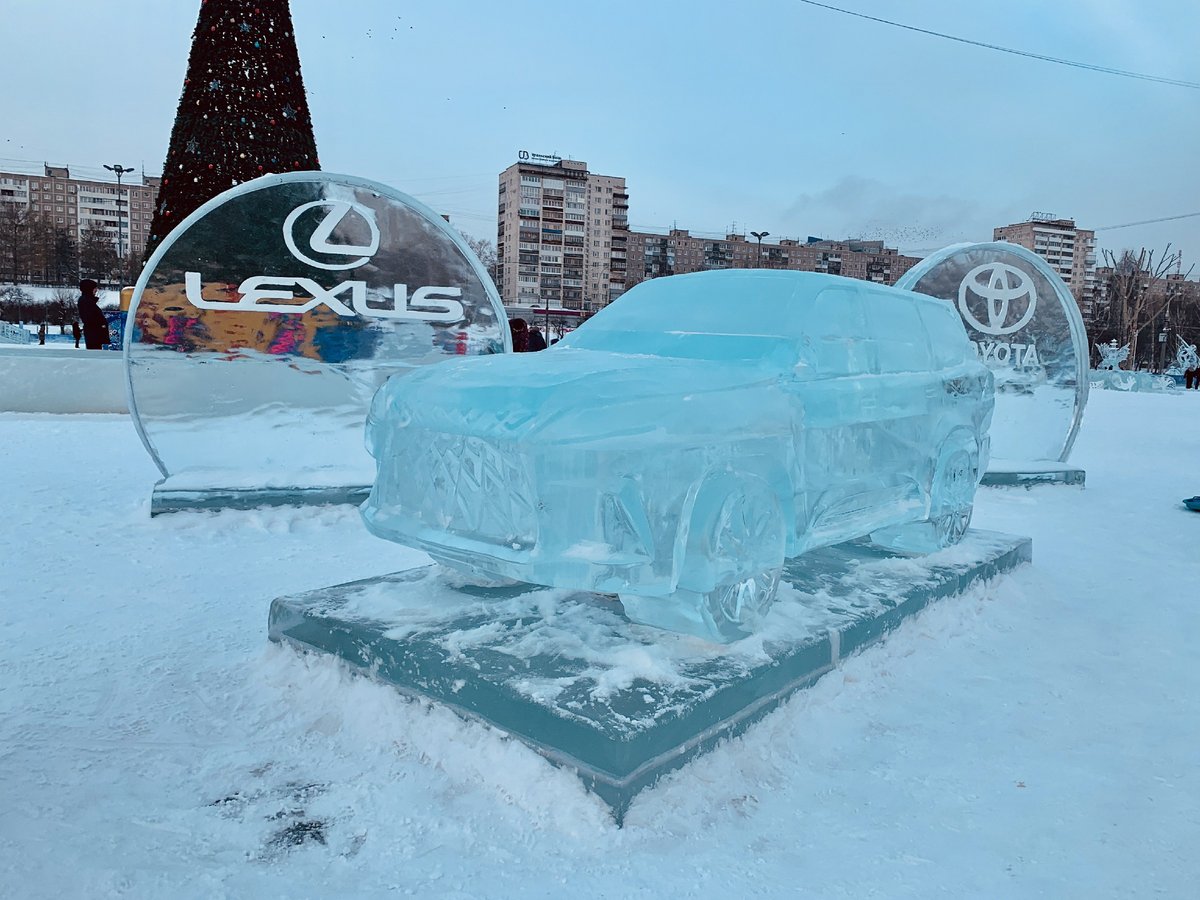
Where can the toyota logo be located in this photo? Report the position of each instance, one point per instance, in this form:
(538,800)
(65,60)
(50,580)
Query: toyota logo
(319,242)
(1000,287)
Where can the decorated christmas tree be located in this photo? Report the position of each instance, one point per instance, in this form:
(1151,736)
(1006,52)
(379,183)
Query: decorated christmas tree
(243,112)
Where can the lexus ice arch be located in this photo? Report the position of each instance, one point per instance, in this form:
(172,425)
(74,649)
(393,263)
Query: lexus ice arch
(686,440)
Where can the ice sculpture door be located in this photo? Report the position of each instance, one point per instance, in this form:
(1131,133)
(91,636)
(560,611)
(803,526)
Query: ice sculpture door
(1026,327)
(264,323)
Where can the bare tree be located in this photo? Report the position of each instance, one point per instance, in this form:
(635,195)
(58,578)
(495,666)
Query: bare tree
(64,308)
(16,241)
(64,257)
(486,251)
(97,255)
(1141,288)
(14,304)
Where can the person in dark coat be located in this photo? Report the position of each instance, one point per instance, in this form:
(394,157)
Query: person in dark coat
(77,333)
(520,335)
(535,340)
(95,326)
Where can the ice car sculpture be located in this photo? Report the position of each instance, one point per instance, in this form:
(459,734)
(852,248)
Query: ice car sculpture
(682,443)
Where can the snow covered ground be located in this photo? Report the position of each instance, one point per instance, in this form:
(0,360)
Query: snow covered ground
(1038,738)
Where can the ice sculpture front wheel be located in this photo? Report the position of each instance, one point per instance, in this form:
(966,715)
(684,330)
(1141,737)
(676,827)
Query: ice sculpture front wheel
(459,574)
(735,548)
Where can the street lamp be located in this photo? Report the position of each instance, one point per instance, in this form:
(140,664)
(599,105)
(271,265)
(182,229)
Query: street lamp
(760,235)
(119,170)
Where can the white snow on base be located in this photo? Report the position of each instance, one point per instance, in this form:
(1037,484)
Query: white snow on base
(1036,738)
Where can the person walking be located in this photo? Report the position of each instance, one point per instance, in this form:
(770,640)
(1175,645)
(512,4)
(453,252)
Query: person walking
(76,332)
(535,340)
(42,333)
(95,326)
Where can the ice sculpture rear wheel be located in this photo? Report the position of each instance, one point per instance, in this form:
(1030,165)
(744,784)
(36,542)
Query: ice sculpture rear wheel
(736,543)
(953,491)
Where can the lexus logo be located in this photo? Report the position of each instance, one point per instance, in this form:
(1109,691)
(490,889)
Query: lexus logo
(1001,288)
(319,242)
(277,293)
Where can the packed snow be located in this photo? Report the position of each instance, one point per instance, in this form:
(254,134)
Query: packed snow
(1036,737)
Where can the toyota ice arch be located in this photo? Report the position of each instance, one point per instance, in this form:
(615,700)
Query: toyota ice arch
(689,438)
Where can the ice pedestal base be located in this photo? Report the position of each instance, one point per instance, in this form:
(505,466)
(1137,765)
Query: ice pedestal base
(174,496)
(619,703)
(1026,473)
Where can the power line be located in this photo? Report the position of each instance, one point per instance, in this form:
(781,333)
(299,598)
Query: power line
(1108,70)
(1148,221)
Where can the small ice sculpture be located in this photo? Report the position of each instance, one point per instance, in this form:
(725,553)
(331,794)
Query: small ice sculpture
(1186,359)
(1109,374)
(681,444)
(1111,356)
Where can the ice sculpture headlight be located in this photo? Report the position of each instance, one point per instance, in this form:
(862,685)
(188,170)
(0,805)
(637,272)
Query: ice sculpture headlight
(378,418)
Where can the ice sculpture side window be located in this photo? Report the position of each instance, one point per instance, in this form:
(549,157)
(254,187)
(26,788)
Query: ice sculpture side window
(839,329)
(946,334)
(898,334)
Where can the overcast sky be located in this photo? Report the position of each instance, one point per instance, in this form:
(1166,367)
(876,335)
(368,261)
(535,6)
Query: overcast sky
(756,115)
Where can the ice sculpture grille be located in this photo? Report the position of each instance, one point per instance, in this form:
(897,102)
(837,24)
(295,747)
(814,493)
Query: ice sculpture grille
(472,488)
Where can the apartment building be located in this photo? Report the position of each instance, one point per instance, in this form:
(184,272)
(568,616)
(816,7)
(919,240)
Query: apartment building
(1070,251)
(677,252)
(561,236)
(78,203)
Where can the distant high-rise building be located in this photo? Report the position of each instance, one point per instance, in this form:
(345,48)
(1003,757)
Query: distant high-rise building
(678,252)
(561,236)
(1070,251)
(81,203)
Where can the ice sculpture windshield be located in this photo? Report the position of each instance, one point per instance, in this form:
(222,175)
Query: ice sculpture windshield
(1026,327)
(265,322)
(682,443)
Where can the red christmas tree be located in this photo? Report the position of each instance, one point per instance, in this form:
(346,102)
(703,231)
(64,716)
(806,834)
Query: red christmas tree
(243,112)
